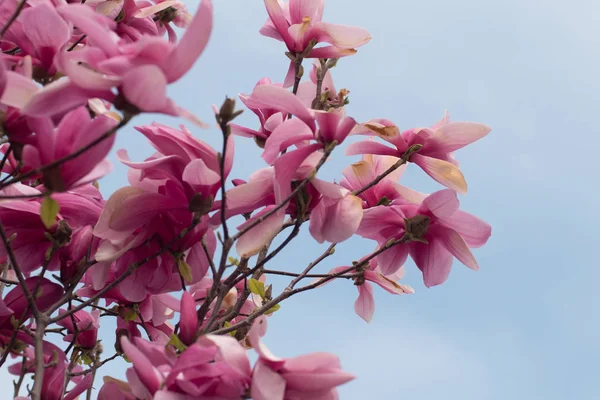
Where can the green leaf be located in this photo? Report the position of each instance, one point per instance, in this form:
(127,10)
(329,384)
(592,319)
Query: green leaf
(273,309)
(131,315)
(227,324)
(49,211)
(257,287)
(176,342)
(87,360)
(185,270)
(233,261)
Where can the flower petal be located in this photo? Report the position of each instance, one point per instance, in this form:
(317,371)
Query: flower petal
(364,306)
(442,171)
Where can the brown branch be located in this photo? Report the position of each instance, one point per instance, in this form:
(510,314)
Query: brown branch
(92,369)
(289,291)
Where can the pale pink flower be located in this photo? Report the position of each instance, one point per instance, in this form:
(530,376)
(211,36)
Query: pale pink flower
(435,157)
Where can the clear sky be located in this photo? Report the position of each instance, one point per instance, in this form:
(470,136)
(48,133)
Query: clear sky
(526,325)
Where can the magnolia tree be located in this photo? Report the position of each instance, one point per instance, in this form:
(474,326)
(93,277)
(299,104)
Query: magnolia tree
(190,293)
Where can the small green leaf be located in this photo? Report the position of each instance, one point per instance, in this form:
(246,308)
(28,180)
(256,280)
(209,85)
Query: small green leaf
(176,342)
(233,261)
(49,211)
(131,315)
(185,270)
(87,360)
(257,287)
(227,325)
(273,309)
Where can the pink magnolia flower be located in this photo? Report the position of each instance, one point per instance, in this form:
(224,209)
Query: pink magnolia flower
(364,306)
(335,212)
(14,307)
(164,12)
(298,22)
(93,71)
(435,157)
(41,33)
(447,233)
(362,173)
(114,389)
(22,220)
(53,378)
(76,130)
(87,327)
(214,367)
(183,177)
(311,376)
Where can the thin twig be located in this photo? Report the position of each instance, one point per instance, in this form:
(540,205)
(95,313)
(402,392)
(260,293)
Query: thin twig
(288,292)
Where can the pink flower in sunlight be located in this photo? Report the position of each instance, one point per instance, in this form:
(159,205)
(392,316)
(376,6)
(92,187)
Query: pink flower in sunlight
(91,72)
(54,375)
(76,130)
(306,377)
(441,230)
(335,212)
(214,367)
(298,22)
(435,157)
(87,327)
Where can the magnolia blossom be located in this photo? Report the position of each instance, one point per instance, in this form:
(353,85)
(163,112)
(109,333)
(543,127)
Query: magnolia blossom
(441,230)
(435,157)
(311,376)
(298,22)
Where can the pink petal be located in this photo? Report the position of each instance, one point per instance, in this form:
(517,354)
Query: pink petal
(282,100)
(266,383)
(61,96)
(336,220)
(232,353)
(379,223)
(18,90)
(331,52)
(286,167)
(188,324)
(306,8)
(474,231)
(153,9)
(146,88)
(455,135)
(96,26)
(442,171)
(191,44)
(370,147)
(433,260)
(457,246)
(388,283)
(279,21)
(146,372)
(290,132)
(342,36)
(136,211)
(442,204)
(251,243)
(364,306)
(392,259)
(198,175)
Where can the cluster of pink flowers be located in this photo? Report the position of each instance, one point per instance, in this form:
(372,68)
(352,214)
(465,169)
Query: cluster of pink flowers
(71,75)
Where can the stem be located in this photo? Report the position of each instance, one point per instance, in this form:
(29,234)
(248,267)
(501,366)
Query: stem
(15,266)
(40,326)
(5,157)
(293,274)
(289,291)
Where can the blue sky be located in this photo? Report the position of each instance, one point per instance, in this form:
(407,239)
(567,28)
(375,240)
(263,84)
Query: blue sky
(526,325)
